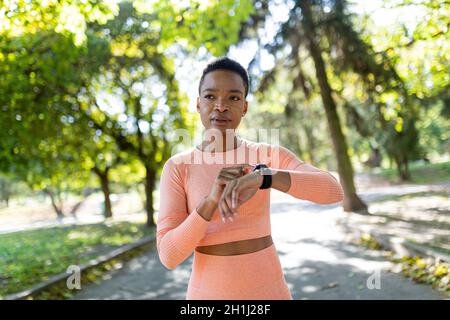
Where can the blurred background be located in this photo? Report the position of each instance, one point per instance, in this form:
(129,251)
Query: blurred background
(92,91)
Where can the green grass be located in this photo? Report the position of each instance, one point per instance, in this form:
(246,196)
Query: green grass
(438,245)
(396,197)
(420,173)
(30,257)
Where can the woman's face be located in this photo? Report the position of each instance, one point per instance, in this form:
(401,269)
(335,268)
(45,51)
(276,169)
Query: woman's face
(222,103)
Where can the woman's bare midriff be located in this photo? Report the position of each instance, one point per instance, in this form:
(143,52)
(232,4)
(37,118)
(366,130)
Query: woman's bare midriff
(237,247)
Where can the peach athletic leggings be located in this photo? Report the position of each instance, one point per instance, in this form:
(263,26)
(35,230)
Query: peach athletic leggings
(250,276)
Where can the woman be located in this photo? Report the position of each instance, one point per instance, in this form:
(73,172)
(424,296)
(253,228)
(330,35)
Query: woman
(215,201)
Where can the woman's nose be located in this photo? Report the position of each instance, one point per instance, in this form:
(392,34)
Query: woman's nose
(221,105)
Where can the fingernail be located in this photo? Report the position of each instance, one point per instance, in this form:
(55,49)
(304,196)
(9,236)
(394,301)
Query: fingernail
(223,219)
(231,218)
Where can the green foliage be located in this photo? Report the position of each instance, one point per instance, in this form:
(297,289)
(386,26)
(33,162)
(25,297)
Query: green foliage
(37,81)
(426,270)
(374,76)
(423,270)
(193,24)
(97,90)
(30,257)
(420,53)
(444,194)
(422,173)
(370,242)
(68,17)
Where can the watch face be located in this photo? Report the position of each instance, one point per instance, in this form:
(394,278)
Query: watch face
(266,171)
(259,166)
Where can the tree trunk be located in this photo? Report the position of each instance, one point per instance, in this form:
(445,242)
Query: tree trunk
(402,168)
(86,193)
(352,203)
(149,187)
(375,157)
(106,193)
(407,174)
(104,182)
(5,192)
(56,207)
(76,207)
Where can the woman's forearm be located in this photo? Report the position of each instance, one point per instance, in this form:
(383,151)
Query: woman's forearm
(281,180)
(177,242)
(316,186)
(206,208)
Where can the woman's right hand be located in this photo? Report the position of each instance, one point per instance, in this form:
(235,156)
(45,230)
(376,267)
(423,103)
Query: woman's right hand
(225,175)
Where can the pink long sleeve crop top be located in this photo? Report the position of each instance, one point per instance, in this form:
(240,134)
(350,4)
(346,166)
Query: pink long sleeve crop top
(187,178)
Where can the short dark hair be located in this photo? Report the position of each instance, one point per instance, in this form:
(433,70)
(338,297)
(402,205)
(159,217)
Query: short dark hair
(225,63)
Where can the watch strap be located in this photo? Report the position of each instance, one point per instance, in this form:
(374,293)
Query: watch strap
(267,178)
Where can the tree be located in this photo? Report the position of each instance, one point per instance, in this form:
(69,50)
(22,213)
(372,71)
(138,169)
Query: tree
(301,31)
(36,84)
(351,202)
(141,76)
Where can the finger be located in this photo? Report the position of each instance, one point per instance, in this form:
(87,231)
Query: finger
(235,197)
(223,180)
(233,169)
(229,176)
(226,205)
(239,167)
(233,173)
(227,196)
(221,210)
(237,171)
(246,168)
(231,192)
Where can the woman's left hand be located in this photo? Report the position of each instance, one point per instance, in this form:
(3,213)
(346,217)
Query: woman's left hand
(239,191)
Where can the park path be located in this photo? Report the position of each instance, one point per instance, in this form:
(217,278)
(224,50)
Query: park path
(317,259)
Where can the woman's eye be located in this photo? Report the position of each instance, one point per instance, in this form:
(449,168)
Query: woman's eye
(209,97)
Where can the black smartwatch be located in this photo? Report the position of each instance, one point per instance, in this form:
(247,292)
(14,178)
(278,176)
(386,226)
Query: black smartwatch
(267,175)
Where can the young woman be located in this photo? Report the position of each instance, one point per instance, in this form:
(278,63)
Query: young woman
(215,201)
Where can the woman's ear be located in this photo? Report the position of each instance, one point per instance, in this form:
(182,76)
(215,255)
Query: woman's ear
(198,104)
(245,107)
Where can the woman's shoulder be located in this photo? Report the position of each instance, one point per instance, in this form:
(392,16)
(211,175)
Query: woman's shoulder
(250,144)
(272,153)
(179,159)
(272,148)
(260,151)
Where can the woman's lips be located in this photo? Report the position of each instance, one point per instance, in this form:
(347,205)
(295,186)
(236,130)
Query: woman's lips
(220,121)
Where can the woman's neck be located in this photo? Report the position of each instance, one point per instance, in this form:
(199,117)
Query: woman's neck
(209,146)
